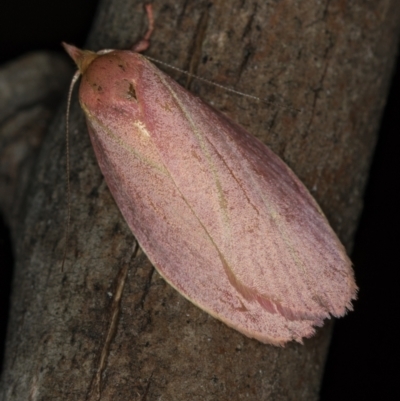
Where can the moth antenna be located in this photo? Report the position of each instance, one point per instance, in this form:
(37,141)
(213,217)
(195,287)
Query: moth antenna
(67,165)
(226,88)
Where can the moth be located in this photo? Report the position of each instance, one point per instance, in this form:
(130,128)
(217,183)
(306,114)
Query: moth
(222,218)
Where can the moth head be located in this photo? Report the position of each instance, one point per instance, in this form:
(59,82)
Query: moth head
(108,80)
(82,58)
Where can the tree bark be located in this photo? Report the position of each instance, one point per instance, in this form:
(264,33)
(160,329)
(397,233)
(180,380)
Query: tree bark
(323,68)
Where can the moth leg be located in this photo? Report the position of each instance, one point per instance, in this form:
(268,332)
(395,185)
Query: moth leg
(144,43)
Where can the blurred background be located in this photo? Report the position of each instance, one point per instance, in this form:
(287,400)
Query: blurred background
(364,354)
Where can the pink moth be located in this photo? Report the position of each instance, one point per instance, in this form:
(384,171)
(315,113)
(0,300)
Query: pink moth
(222,218)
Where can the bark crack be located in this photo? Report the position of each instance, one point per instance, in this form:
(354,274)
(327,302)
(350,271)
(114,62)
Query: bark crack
(146,391)
(182,13)
(320,85)
(249,49)
(146,288)
(196,46)
(94,392)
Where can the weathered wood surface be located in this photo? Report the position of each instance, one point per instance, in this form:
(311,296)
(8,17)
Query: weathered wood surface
(330,60)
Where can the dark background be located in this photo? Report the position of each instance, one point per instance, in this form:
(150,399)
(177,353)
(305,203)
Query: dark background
(364,355)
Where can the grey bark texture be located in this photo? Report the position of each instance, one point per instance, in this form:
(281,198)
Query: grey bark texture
(108,327)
